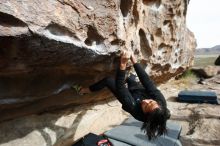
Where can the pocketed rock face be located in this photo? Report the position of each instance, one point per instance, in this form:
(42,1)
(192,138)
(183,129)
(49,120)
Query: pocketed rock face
(46,47)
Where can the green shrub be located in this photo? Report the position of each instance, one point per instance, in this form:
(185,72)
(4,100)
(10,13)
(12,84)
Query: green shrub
(186,80)
(188,74)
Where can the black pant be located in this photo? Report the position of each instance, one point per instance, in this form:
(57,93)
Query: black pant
(109,82)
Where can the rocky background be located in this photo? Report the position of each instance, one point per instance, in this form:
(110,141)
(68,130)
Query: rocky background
(200,122)
(48,47)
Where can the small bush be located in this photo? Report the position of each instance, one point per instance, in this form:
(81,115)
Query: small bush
(185,80)
(188,74)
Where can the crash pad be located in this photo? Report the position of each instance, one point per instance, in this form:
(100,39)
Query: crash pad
(191,96)
(130,133)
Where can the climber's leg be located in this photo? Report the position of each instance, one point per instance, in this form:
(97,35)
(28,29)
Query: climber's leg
(108,82)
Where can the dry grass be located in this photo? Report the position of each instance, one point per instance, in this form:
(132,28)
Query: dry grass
(186,80)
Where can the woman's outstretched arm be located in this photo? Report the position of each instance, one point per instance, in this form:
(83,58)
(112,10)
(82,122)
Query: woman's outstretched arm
(124,95)
(147,82)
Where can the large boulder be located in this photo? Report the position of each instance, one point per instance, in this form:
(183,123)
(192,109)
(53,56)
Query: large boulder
(61,128)
(46,47)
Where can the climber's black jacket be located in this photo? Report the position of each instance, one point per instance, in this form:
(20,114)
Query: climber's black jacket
(131,98)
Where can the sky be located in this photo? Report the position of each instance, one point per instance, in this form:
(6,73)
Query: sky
(203,19)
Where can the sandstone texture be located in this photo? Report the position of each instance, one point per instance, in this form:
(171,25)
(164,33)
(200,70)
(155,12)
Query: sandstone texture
(46,47)
(62,128)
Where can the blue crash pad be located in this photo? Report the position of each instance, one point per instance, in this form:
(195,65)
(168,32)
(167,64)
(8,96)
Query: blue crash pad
(129,134)
(197,97)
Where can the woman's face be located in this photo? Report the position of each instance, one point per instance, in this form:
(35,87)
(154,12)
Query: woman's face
(148,105)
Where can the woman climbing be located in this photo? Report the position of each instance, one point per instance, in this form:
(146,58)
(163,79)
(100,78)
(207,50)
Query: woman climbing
(143,101)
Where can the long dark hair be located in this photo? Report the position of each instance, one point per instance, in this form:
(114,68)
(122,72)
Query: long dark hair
(155,123)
